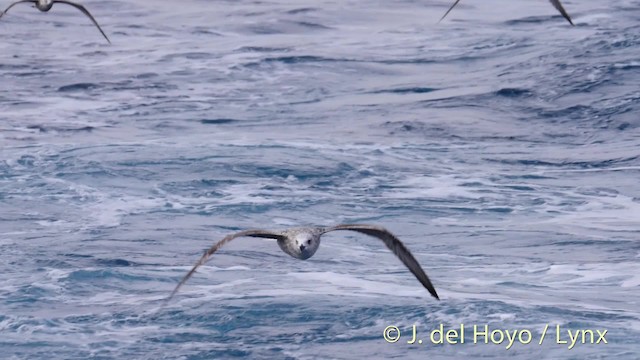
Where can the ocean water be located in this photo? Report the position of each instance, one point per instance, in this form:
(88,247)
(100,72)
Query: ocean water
(501,145)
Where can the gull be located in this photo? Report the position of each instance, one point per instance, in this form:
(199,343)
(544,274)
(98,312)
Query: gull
(556,4)
(303,242)
(46,5)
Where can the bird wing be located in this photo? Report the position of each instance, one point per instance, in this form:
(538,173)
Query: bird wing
(556,4)
(86,12)
(16,3)
(218,245)
(396,246)
(448,11)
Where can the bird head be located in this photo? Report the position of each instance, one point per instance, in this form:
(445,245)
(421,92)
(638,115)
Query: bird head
(306,244)
(44,5)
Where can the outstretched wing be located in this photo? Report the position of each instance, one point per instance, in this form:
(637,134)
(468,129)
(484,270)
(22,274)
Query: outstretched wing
(396,246)
(556,4)
(448,11)
(16,3)
(218,245)
(86,12)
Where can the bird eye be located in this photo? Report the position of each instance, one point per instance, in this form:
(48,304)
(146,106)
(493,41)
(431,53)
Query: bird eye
(309,241)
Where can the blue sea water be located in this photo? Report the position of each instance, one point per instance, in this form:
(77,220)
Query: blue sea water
(501,145)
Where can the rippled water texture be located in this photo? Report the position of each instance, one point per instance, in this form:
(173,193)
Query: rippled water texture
(501,145)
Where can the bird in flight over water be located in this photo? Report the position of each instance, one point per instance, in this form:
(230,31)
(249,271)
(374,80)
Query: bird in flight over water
(556,4)
(303,242)
(45,5)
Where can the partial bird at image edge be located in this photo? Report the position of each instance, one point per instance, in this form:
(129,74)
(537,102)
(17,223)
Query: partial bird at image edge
(46,5)
(556,4)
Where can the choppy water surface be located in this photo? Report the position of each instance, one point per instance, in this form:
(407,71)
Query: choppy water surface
(502,146)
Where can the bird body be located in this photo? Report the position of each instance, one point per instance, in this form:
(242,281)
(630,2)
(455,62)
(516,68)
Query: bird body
(302,242)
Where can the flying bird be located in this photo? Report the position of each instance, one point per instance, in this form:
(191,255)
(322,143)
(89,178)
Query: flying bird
(303,242)
(556,4)
(46,5)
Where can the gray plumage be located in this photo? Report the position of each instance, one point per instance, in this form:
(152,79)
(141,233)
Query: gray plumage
(303,242)
(556,4)
(46,5)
